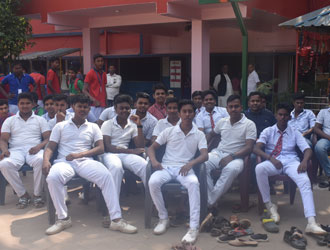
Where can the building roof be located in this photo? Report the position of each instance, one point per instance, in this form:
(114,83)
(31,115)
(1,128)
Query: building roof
(318,18)
(48,54)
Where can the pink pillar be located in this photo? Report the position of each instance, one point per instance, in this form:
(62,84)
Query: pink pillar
(200,56)
(91,43)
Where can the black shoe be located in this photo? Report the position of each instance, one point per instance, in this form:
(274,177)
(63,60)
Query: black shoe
(259,237)
(326,228)
(324,184)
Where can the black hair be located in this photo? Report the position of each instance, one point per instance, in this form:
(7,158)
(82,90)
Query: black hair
(253,94)
(80,98)
(36,66)
(15,63)
(74,68)
(159,86)
(3,102)
(142,95)
(285,106)
(123,98)
(48,97)
(53,59)
(171,100)
(209,92)
(25,95)
(186,102)
(34,96)
(97,56)
(298,96)
(234,97)
(196,93)
(61,97)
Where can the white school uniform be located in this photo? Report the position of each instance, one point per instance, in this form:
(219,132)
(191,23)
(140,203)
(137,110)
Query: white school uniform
(148,124)
(116,163)
(23,136)
(163,124)
(290,161)
(71,139)
(203,119)
(53,122)
(180,149)
(233,138)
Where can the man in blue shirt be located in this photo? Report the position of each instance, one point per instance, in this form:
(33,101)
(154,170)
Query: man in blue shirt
(302,119)
(18,83)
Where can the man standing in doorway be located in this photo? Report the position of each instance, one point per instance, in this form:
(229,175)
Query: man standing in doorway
(113,85)
(253,79)
(53,82)
(222,84)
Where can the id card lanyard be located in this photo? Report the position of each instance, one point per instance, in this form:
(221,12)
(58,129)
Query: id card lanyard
(100,79)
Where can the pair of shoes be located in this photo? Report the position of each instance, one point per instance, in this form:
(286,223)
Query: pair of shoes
(38,202)
(274,214)
(242,243)
(295,238)
(191,236)
(23,202)
(59,226)
(161,226)
(123,226)
(313,228)
(259,237)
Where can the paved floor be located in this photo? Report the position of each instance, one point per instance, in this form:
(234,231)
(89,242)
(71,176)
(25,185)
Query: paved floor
(24,229)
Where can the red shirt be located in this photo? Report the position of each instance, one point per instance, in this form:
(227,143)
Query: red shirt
(97,80)
(40,82)
(158,111)
(5,87)
(51,75)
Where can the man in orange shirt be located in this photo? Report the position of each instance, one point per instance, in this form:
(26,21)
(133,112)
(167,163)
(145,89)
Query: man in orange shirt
(40,81)
(94,86)
(53,82)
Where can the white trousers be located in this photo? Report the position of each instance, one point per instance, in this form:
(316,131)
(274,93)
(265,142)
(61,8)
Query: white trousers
(117,162)
(190,182)
(228,175)
(97,111)
(9,167)
(62,171)
(266,168)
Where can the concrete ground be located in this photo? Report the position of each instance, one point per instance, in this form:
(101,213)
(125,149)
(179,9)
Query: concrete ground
(25,229)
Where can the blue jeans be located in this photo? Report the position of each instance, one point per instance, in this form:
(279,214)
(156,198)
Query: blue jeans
(321,149)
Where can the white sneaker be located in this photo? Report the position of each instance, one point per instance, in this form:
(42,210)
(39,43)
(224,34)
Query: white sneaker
(161,226)
(191,236)
(59,226)
(123,227)
(274,214)
(313,228)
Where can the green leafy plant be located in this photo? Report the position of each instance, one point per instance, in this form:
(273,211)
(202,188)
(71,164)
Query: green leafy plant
(15,31)
(266,87)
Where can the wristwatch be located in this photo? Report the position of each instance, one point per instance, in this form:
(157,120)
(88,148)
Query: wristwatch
(139,126)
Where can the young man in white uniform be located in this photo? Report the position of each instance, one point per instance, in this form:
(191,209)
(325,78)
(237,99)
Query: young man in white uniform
(78,141)
(171,120)
(277,146)
(238,135)
(61,105)
(208,117)
(117,134)
(182,142)
(26,134)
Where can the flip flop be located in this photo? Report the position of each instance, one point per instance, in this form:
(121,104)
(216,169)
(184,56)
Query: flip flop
(243,243)
(225,238)
(244,223)
(296,240)
(270,226)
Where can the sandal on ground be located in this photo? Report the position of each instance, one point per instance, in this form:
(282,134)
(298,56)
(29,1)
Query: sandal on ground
(38,202)
(243,243)
(234,221)
(244,223)
(239,232)
(225,238)
(324,184)
(323,241)
(207,223)
(259,237)
(296,240)
(220,223)
(270,226)
(23,202)
(294,230)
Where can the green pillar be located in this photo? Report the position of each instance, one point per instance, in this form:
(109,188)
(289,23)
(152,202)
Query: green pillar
(244,32)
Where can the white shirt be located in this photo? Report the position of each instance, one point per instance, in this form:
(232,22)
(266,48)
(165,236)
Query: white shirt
(148,124)
(253,79)
(161,125)
(71,139)
(291,138)
(323,118)
(90,117)
(120,137)
(113,85)
(180,148)
(24,134)
(203,119)
(52,122)
(304,121)
(108,114)
(233,137)
(229,88)
(46,116)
